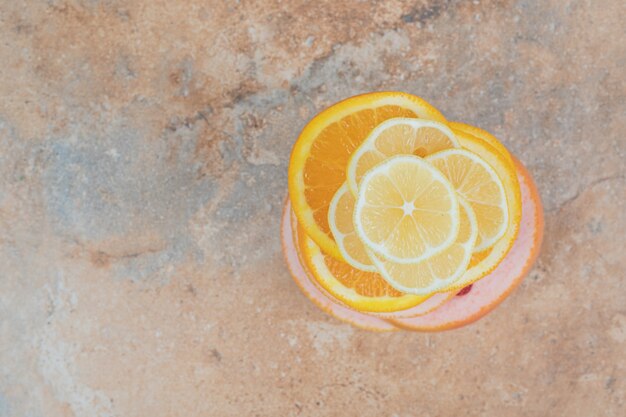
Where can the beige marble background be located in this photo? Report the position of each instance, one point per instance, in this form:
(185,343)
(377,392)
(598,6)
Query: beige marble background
(143,161)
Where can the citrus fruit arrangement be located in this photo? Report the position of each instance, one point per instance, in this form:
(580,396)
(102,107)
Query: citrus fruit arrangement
(400,219)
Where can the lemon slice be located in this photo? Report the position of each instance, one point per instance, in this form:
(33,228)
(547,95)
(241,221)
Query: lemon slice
(319,158)
(485,136)
(341,222)
(439,271)
(406,210)
(486,261)
(394,137)
(479,184)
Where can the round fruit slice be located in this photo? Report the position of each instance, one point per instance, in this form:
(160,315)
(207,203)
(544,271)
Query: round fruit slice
(320,156)
(425,307)
(395,137)
(439,271)
(479,184)
(406,210)
(508,176)
(320,299)
(433,303)
(485,136)
(478,257)
(360,290)
(490,291)
(341,222)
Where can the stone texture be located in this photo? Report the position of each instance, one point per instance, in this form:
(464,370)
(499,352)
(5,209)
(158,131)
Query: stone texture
(143,159)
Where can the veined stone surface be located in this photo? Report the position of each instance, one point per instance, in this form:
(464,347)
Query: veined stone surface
(143,163)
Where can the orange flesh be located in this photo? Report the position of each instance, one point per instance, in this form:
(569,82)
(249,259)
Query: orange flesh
(325,170)
(367,284)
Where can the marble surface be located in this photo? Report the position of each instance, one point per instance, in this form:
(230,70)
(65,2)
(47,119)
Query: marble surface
(143,160)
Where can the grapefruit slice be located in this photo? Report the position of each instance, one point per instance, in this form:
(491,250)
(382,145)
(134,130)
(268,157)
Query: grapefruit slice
(491,290)
(314,293)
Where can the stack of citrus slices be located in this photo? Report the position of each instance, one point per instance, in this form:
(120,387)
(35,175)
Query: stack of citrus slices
(397,218)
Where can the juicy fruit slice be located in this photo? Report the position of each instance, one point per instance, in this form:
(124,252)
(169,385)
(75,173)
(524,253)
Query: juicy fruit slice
(439,271)
(424,307)
(289,238)
(485,136)
(510,181)
(490,291)
(449,313)
(478,257)
(341,222)
(320,155)
(479,184)
(406,210)
(363,291)
(395,137)
(433,303)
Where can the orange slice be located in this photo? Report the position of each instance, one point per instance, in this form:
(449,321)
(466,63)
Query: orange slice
(395,137)
(308,286)
(320,156)
(478,257)
(360,290)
